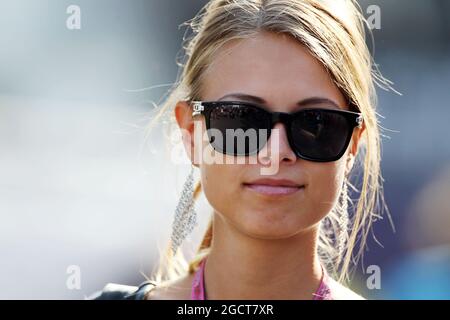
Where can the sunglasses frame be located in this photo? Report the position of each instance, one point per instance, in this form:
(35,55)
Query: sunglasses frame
(354,119)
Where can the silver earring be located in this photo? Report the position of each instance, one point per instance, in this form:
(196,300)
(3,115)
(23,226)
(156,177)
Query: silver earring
(343,217)
(185,215)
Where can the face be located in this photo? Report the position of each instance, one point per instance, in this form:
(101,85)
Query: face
(280,72)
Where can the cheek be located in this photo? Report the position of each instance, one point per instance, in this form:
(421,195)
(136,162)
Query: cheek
(324,187)
(221,185)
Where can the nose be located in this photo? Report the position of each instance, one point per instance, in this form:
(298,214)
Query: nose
(277,147)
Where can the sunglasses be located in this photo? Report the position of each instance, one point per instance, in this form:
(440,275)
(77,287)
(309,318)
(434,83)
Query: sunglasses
(314,134)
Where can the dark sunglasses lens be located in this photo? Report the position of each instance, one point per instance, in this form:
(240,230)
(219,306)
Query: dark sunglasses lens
(320,135)
(238,129)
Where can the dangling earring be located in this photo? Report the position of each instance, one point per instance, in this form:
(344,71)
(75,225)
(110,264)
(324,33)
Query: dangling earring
(185,215)
(343,217)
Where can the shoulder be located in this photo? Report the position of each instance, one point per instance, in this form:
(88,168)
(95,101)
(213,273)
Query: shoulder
(341,292)
(115,291)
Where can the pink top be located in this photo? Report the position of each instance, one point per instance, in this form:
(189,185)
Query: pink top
(198,286)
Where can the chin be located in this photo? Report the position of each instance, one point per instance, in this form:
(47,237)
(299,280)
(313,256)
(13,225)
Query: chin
(271,227)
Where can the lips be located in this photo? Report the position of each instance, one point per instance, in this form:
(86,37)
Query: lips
(274,186)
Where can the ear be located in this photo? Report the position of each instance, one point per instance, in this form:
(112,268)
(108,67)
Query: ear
(183,115)
(354,143)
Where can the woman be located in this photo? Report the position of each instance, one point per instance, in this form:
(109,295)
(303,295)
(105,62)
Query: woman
(298,71)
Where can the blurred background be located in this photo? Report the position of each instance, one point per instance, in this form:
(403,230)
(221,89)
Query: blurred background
(82,189)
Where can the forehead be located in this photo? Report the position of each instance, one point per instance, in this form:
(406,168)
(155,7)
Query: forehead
(275,67)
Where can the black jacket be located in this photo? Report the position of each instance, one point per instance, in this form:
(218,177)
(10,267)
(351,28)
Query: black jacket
(114,291)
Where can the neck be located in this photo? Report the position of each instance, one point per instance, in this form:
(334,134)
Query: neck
(243,267)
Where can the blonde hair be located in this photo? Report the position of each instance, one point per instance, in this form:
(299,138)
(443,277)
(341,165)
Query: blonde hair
(334,32)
